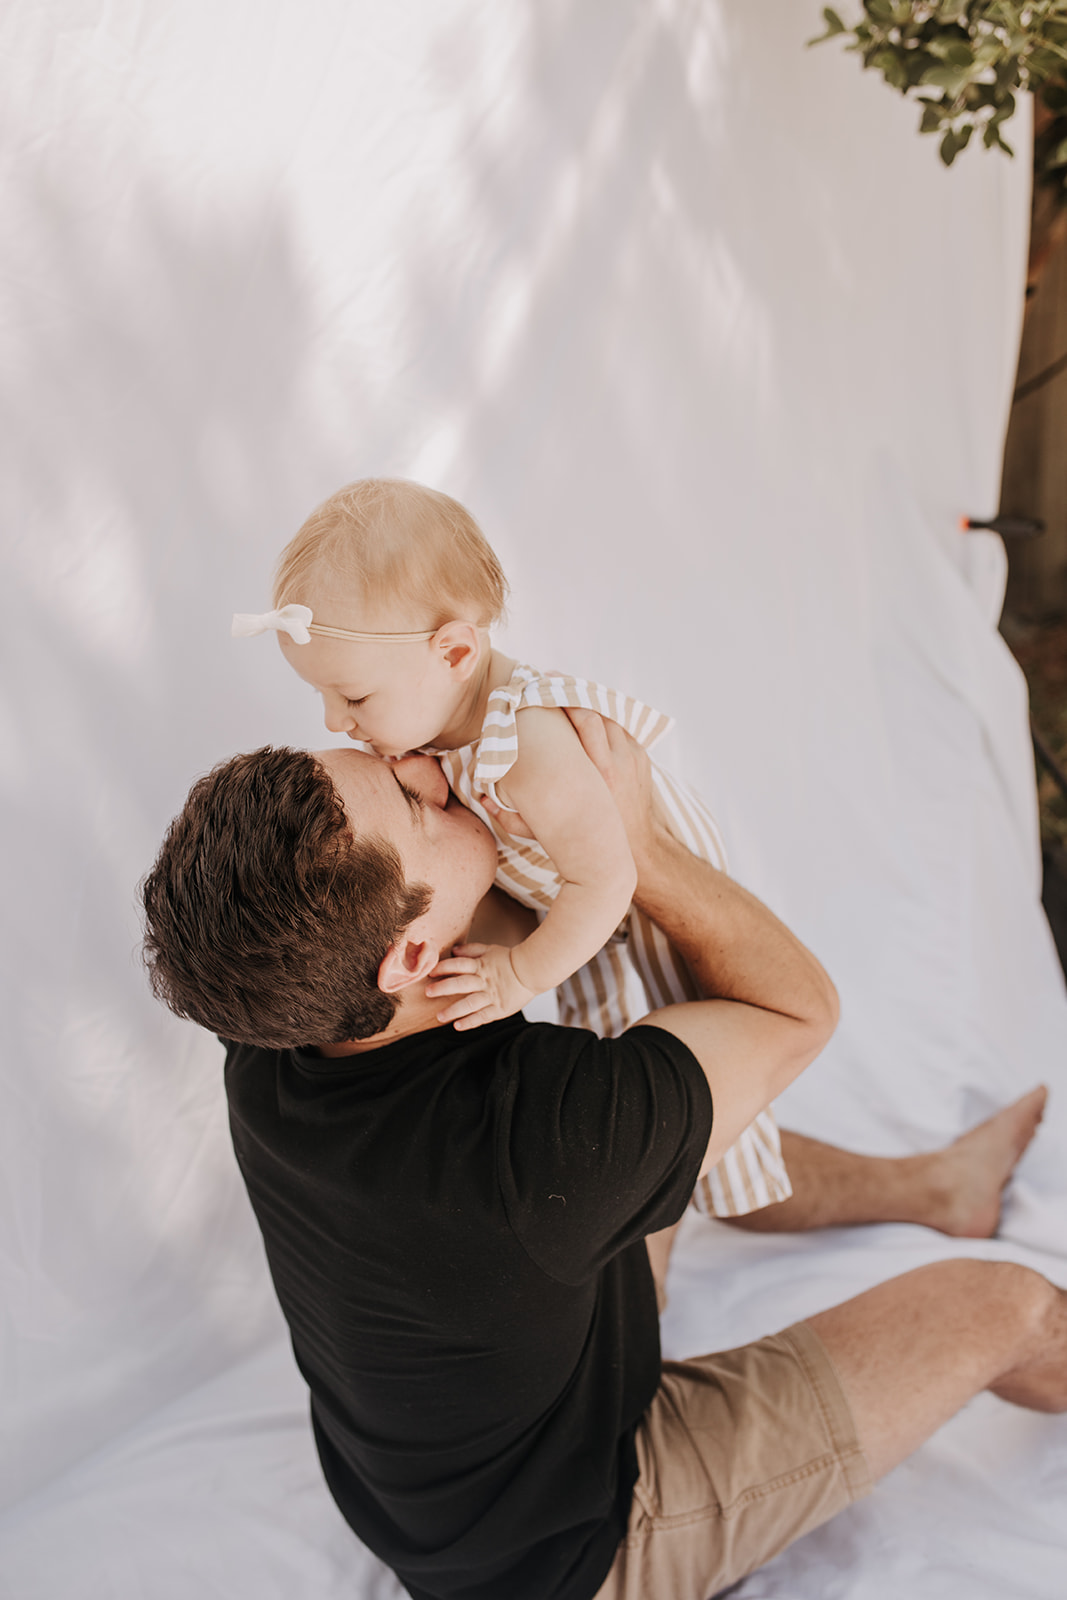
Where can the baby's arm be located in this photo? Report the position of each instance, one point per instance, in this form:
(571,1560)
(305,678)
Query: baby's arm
(569,809)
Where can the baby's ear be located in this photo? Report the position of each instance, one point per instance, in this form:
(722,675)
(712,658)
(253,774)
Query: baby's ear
(460,645)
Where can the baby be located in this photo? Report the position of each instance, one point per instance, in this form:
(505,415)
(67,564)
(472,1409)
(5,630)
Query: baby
(384,601)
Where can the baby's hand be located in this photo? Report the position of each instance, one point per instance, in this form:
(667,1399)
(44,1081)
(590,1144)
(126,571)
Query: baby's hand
(484,979)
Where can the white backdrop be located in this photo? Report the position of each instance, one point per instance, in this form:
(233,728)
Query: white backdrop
(718,353)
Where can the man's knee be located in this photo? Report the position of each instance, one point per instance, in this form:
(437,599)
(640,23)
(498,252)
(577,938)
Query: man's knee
(1037,1304)
(1008,1292)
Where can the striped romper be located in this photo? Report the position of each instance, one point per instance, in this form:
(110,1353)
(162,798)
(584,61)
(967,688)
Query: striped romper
(751,1174)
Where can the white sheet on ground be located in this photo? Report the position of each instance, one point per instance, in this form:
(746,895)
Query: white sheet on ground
(718,353)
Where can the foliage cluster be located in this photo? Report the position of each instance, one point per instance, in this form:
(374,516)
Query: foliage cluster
(965,61)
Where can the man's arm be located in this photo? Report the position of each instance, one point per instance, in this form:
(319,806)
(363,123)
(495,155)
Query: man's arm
(771,1007)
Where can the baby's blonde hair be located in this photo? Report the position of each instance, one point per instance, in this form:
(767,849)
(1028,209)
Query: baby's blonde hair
(398,551)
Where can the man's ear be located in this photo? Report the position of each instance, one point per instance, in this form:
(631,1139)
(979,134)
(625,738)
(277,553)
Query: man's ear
(460,645)
(409,961)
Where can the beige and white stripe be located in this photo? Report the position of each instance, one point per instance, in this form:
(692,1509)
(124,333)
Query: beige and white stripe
(752,1173)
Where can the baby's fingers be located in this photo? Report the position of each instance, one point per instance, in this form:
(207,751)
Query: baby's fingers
(475,1019)
(455,977)
(453,964)
(462,983)
(465,1008)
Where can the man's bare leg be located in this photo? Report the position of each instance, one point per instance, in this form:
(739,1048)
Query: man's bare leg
(956,1190)
(914,1350)
(911,1352)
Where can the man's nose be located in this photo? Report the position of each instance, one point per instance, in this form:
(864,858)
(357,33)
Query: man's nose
(424,775)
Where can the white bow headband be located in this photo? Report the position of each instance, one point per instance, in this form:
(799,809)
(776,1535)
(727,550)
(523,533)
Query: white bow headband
(296,622)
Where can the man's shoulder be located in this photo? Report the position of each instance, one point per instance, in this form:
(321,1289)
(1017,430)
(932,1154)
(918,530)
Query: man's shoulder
(540,1061)
(601,1141)
(642,1037)
(550,1061)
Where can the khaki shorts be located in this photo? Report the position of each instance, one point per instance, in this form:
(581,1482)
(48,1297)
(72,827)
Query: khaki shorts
(739,1453)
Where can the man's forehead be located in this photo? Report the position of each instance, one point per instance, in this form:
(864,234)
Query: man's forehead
(364,780)
(348,764)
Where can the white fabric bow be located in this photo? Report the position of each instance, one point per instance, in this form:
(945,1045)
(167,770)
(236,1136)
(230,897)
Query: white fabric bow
(293,620)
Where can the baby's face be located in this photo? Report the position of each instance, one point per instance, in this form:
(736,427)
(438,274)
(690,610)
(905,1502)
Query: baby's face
(394,697)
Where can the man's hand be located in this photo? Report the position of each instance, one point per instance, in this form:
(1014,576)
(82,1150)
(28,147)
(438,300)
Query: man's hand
(483,977)
(625,768)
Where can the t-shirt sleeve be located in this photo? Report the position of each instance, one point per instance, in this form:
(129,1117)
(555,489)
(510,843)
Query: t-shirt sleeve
(599,1141)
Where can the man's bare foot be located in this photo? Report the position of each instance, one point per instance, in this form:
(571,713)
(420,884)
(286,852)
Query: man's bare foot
(956,1190)
(959,1188)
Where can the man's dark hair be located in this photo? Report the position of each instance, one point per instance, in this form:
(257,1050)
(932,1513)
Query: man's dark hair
(266,918)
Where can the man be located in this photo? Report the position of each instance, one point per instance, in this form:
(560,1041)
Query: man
(456,1222)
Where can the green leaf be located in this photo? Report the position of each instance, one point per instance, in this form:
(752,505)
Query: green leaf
(954,141)
(931,120)
(917,62)
(1005,110)
(891,66)
(1006,74)
(952,51)
(834,27)
(949,148)
(987,51)
(952,79)
(880,10)
(1042,65)
(1057,157)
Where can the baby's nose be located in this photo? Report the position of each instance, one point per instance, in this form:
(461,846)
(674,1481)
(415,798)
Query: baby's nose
(337,719)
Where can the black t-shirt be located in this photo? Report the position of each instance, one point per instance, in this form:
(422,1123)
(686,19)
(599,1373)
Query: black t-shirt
(454,1226)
